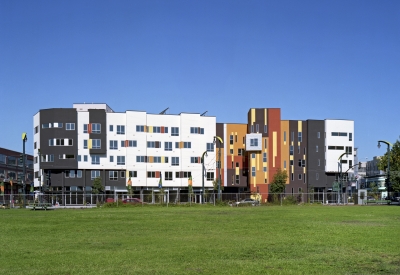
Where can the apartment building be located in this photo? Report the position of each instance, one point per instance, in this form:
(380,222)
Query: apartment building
(73,146)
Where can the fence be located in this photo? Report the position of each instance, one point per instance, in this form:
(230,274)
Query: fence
(73,199)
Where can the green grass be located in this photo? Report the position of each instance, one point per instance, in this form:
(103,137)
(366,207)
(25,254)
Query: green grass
(202,240)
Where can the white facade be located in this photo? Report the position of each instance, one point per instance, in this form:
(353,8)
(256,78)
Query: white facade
(339,137)
(36,140)
(151,124)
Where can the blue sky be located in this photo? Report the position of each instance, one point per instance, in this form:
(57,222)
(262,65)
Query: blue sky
(313,59)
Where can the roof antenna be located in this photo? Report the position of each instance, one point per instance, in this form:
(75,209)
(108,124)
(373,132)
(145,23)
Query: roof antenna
(163,112)
(203,114)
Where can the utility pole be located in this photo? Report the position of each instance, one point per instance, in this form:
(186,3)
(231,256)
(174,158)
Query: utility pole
(24,139)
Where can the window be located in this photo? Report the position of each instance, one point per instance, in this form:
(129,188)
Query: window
(96,128)
(218,164)
(79,158)
(253,171)
(179,175)
(79,173)
(291,150)
(264,157)
(265,143)
(231,151)
(298,149)
(174,131)
(51,142)
(168,146)
(316,176)
(111,158)
(284,136)
(265,129)
(319,162)
(240,152)
(292,177)
(122,174)
(292,138)
(316,148)
(252,129)
(96,160)
(96,144)
(299,176)
(132,143)
(349,150)
(113,144)
(85,128)
(168,176)
(197,130)
(141,158)
(157,159)
(257,128)
(36,129)
(299,162)
(46,125)
(151,174)
(210,176)
(133,174)
(95,174)
(120,129)
(291,162)
(210,147)
(303,163)
(350,136)
(70,126)
(253,142)
(350,163)
(318,135)
(113,175)
(175,161)
(111,128)
(253,155)
(265,169)
(139,128)
(120,160)
(237,164)
(153,144)
(187,144)
(231,139)
(300,137)
(195,160)
(85,158)
(284,164)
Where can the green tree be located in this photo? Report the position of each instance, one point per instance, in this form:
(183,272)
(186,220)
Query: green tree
(97,188)
(394,166)
(278,184)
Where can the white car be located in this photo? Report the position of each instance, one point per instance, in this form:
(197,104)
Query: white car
(248,201)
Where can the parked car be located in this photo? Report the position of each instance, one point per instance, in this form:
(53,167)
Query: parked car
(248,201)
(132,201)
(392,199)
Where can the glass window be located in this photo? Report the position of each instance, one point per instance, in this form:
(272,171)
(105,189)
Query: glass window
(96,144)
(85,158)
(96,160)
(253,171)
(69,126)
(96,128)
(95,174)
(113,175)
(120,129)
(111,128)
(113,144)
(85,144)
(174,131)
(120,160)
(85,128)
(168,146)
(175,161)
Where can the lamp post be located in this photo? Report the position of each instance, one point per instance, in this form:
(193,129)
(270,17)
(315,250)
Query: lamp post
(202,178)
(219,166)
(388,168)
(340,175)
(24,139)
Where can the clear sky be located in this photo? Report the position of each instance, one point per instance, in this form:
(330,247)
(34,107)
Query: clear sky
(313,59)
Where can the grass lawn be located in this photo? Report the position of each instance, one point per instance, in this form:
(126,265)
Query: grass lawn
(202,240)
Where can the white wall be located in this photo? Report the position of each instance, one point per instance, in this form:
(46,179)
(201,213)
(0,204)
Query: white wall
(331,156)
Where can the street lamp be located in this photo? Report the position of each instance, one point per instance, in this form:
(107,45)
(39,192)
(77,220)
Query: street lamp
(202,178)
(219,166)
(340,174)
(388,168)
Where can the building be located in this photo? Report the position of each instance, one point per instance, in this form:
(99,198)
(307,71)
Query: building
(77,145)
(11,172)
(74,146)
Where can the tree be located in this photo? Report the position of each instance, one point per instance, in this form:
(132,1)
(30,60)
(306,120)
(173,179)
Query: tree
(394,166)
(97,188)
(278,184)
